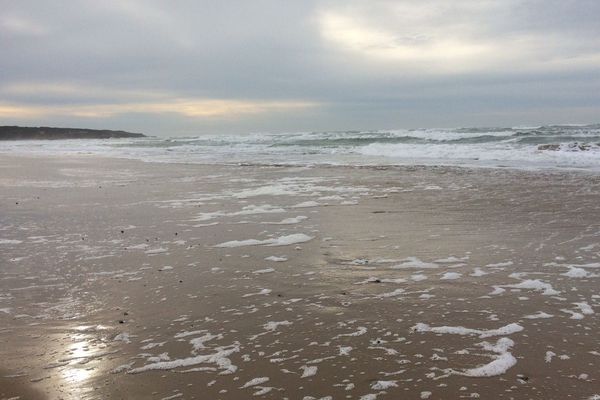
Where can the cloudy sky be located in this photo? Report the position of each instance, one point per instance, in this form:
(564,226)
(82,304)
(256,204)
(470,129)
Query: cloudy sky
(192,67)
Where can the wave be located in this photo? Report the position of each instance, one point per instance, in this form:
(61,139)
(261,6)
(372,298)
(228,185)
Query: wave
(550,146)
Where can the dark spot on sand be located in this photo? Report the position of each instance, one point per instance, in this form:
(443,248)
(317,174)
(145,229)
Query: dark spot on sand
(121,321)
(122,231)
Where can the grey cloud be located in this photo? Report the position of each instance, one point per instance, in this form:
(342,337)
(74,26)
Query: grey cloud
(532,62)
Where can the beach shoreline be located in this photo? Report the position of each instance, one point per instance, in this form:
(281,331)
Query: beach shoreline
(135,279)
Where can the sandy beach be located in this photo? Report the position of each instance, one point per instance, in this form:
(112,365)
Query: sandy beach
(125,279)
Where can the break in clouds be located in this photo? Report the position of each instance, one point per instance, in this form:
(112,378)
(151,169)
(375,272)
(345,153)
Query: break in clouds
(238,66)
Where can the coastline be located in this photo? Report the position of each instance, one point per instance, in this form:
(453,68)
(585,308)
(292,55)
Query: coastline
(95,241)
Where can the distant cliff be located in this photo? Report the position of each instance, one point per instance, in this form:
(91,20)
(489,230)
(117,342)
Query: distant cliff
(46,133)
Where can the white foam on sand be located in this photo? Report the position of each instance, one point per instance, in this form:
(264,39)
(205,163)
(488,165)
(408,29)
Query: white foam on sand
(262,390)
(590,265)
(500,264)
(247,210)
(10,241)
(451,276)
(262,292)
(460,330)
(253,210)
(122,337)
(451,260)
(158,250)
(308,371)
(536,284)
(175,396)
(219,357)
(141,246)
(254,382)
(478,272)
(585,308)
(272,190)
(577,272)
(531,284)
(273,325)
(198,343)
(370,396)
(502,362)
(414,262)
(263,271)
(574,314)
(241,243)
(361,331)
(538,315)
(306,204)
(188,333)
(280,241)
(276,259)
(393,293)
(288,221)
(383,385)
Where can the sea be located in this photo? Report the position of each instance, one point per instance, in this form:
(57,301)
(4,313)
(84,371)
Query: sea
(572,147)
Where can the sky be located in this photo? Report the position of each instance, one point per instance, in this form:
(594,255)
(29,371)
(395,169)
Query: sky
(193,67)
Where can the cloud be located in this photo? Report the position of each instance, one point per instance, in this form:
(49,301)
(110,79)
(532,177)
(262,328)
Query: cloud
(367,39)
(309,65)
(21,26)
(192,108)
(89,101)
(440,37)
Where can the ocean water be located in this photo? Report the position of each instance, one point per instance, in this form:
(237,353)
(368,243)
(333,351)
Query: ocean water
(572,147)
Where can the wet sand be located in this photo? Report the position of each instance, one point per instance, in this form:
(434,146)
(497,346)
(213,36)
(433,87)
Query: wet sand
(124,279)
